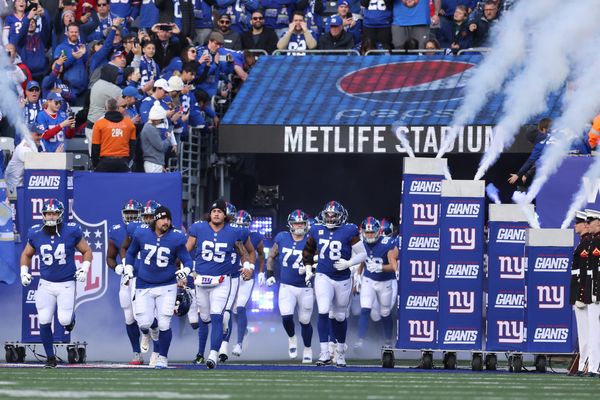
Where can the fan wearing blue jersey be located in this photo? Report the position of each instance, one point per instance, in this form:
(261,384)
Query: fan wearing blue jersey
(218,246)
(55,243)
(159,246)
(57,125)
(298,36)
(243,220)
(377,277)
(287,252)
(338,247)
(130,212)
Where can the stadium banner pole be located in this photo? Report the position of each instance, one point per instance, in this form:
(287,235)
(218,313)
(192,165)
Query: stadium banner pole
(418,283)
(46,176)
(505,317)
(549,314)
(461,265)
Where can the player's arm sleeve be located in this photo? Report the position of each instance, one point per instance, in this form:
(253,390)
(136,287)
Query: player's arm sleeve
(310,248)
(359,253)
(533,157)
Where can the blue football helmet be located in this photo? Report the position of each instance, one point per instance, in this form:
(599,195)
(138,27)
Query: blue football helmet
(148,211)
(53,206)
(370,229)
(243,218)
(183,301)
(131,211)
(387,227)
(231,211)
(298,217)
(333,215)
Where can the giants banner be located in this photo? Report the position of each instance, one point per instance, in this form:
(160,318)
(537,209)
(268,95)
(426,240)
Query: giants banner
(549,314)
(418,286)
(461,265)
(506,278)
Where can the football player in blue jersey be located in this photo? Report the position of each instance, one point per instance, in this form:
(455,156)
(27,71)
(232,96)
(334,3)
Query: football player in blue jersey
(56,243)
(377,277)
(287,251)
(130,212)
(339,247)
(218,246)
(243,220)
(159,246)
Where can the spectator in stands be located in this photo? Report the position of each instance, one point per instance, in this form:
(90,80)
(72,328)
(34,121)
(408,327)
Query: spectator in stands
(298,36)
(182,111)
(259,37)
(352,25)
(277,14)
(167,46)
(132,97)
(188,54)
(113,140)
(432,45)
(161,89)
(524,176)
(449,7)
(131,77)
(57,125)
(66,17)
(105,88)
(377,23)
(106,21)
(455,34)
(313,14)
(336,38)
(210,118)
(154,146)
(411,19)
(240,12)
(203,24)
(231,39)
(149,69)
(14,22)
(149,15)
(212,64)
(30,44)
(15,170)
(74,67)
(480,27)
(32,104)
(101,50)
(55,83)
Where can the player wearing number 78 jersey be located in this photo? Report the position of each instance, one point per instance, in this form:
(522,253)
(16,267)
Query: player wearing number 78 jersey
(339,247)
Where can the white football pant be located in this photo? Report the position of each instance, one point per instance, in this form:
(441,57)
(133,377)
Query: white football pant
(290,296)
(157,301)
(126,293)
(243,293)
(332,296)
(51,296)
(214,300)
(383,292)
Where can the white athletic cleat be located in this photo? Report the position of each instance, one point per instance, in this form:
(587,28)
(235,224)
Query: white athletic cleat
(324,359)
(237,350)
(161,363)
(307,356)
(145,342)
(293,347)
(137,359)
(154,334)
(223,350)
(211,361)
(153,359)
(340,359)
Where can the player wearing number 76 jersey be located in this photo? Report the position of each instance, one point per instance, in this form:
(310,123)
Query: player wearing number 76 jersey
(159,246)
(339,247)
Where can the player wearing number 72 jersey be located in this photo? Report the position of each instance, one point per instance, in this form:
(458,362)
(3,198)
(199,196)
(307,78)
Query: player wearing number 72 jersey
(339,247)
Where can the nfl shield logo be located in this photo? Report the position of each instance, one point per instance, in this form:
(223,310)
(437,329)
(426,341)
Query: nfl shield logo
(97,280)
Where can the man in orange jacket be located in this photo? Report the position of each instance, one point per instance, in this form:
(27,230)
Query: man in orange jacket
(113,140)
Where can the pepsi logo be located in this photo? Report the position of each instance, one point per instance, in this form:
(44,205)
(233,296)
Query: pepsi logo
(407,82)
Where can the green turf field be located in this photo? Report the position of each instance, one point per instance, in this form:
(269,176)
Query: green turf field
(67,383)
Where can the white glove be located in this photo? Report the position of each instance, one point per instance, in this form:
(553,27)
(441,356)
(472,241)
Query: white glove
(25,275)
(81,273)
(271,281)
(261,279)
(248,265)
(182,273)
(580,304)
(301,269)
(127,274)
(119,269)
(374,267)
(342,264)
(308,276)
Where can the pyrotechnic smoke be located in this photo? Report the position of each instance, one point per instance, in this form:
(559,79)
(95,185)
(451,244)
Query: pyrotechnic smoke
(493,193)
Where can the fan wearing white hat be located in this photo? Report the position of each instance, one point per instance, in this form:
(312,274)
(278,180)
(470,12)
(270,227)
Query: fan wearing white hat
(181,109)
(161,90)
(154,146)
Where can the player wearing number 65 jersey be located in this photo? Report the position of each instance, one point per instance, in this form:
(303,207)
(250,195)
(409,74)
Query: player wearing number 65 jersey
(218,246)
(338,247)
(287,250)
(159,246)
(55,243)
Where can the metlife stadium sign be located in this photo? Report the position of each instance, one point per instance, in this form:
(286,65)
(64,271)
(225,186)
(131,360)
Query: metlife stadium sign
(351,105)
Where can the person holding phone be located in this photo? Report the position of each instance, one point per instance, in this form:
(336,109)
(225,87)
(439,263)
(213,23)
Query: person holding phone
(57,125)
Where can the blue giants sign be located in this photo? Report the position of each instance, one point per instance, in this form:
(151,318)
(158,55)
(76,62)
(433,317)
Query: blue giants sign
(418,286)
(461,265)
(506,278)
(549,314)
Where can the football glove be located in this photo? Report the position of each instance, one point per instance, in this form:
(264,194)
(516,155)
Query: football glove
(301,269)
(182,273)
(127,274)
(119,268)
(271,281)
(308,276)
(81,273)
(25,275)
(342,264)
(261,279)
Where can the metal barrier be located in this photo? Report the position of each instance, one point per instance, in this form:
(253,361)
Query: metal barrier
(475,50)
(258,52)
(324,52)
(405,52)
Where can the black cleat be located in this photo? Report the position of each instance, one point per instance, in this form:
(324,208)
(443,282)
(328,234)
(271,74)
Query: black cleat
(199,360)
(51,362)
(222,358)
(210,364)
(70,327)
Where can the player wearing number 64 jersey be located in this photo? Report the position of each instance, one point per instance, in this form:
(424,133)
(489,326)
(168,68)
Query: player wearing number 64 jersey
(159,246)
(339,247)
(55,243)
(218,246)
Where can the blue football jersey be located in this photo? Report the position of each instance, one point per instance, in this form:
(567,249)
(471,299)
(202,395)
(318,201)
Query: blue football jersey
(57,252)
(117,233)
(377,252)
(333,245)
(130,229)
(31,110)
(158,256)
(289,258)
(48,122)
(215,251)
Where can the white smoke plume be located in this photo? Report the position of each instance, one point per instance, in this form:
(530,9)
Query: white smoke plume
(532,217)
(580,199)
(403,139)
(493,193)
(509,51)
(546,71)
